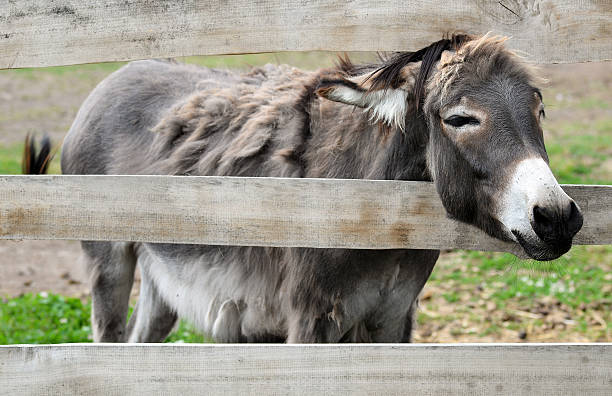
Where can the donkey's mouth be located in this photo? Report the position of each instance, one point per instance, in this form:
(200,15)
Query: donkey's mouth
(541,250)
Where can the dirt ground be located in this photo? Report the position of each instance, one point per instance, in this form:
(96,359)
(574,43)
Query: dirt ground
(51,266)
(49,103)
(35,266)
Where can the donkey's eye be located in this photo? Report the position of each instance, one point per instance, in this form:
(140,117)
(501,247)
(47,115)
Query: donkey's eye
(459,121)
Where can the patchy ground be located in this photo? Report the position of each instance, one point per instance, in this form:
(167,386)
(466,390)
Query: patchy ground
(36,266)
(475,297)
(44,266)
(491,297)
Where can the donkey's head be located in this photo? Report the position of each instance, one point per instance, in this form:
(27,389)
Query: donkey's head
(485,149)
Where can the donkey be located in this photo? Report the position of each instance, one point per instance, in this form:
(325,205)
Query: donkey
(464,112)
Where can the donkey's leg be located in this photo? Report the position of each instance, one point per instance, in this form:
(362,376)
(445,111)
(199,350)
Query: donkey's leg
(226,328)
(331,292)
(110,266)
(306,329)
(152,319)
(393,320)
(391,323)
(332,316)
(409,322)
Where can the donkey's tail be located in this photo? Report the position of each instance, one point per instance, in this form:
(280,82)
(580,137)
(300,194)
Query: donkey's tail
(36,162)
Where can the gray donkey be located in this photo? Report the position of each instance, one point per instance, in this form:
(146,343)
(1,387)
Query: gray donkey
(463,112)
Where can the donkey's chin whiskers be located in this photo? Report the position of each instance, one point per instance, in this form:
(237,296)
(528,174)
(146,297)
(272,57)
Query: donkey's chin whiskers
(535,267)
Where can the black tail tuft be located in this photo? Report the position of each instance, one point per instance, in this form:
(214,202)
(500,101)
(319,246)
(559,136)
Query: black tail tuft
(36,162)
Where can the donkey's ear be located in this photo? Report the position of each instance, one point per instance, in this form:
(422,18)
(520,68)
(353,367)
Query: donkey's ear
(343,90)
(387,105)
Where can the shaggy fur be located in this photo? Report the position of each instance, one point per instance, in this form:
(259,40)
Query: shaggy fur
(154,117)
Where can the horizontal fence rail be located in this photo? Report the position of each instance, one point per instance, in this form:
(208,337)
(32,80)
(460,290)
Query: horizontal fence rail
(385,369)
(35,33)
(321,213)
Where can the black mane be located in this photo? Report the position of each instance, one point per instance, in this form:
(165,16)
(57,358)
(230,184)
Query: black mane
(388,75)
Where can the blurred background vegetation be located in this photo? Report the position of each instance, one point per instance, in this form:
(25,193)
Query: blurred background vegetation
(471,296)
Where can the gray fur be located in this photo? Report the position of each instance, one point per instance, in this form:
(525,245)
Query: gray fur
(155,117)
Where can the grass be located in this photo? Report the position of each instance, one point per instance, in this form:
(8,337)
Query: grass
(44,318)
(568,278)
(10,160)
(573,293)
(579,150)
(47,318)
(77,71)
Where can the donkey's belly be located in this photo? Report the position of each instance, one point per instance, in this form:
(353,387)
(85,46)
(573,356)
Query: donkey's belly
(213,290)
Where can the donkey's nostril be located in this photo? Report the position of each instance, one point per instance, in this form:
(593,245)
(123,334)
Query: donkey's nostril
(556,225)
(568,211)
(542,217)
(543,223)
(573,219)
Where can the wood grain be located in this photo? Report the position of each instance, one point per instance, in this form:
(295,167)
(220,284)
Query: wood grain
(425,369)
(322,213)
(36,33)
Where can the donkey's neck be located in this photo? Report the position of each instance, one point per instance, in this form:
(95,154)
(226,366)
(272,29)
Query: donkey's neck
(344,143)
(406,158)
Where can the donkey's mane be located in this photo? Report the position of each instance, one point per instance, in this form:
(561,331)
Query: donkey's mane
(389,74)
(484,51)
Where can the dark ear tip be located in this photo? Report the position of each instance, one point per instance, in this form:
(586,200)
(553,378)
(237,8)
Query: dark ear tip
(323,90)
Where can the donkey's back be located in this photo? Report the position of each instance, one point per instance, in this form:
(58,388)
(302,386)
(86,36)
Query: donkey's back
(112,131)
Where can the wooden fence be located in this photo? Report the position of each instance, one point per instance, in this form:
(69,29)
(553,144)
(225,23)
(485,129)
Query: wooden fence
(379,369)
(283,212)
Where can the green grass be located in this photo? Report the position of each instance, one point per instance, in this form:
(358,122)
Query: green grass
(10,160)
(43,319)
(78,71)
(578,151)
(578,285)
(576,278)
(46,318)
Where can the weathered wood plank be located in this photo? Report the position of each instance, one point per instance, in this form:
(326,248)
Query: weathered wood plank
(61,32)
(319,213)
(476,369)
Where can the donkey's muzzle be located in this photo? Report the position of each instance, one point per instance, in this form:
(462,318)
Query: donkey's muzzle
(556,225)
